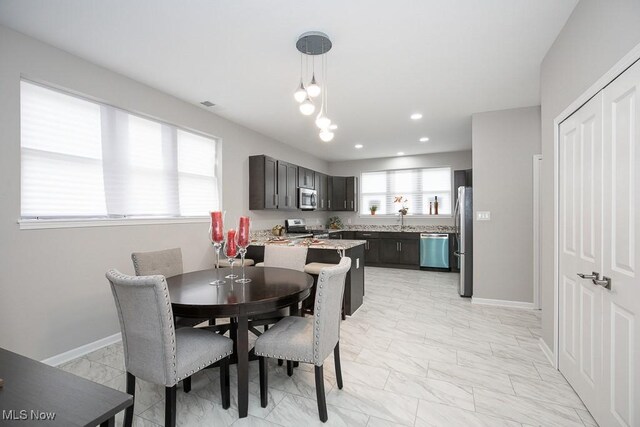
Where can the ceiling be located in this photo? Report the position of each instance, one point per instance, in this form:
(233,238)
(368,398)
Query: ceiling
(444,59)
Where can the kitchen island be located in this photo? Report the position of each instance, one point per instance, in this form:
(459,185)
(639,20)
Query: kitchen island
(326,251)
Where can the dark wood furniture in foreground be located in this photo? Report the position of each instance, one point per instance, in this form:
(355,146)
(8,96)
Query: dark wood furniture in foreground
(32,390)
(270,289)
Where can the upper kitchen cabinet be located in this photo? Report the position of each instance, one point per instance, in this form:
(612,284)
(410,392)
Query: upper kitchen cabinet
(287,186)
(343,193)
(272,184)
(263,183)
(321,181)
(461,178)
(306,178)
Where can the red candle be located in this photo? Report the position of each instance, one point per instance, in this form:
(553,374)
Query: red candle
(217,230)
(231,248)
(243,232)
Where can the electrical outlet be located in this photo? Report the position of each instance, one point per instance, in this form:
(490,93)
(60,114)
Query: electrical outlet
(348,220)
(483,216)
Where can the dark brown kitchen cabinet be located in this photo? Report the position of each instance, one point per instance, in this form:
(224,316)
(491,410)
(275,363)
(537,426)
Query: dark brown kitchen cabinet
(343,193)
(337,193)
(389,251)
(321,182)
(461,178)
(371,247)
(306,178)
(454,260)
(352,194)
(399,249)
(349,235)
(263,183)
(287,185)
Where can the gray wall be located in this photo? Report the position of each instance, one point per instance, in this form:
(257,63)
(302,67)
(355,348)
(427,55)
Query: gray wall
(456,160)
(597,35)
(53,294)
(504,143)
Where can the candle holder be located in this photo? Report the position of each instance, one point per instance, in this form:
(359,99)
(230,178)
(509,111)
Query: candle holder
(231,260)
(218,280)
(243,279)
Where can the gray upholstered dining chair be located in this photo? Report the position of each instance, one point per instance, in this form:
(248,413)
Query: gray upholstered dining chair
(157,352)
(283,256)
(309,339)
(279,256)
(167,263)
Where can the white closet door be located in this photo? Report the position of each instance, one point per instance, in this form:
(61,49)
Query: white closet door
(580,250)
(621,181)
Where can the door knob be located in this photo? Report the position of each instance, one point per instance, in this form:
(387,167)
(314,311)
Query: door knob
(605,282)
(593,276)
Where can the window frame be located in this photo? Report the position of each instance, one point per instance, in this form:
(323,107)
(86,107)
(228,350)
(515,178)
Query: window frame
(80,222)
(362,211)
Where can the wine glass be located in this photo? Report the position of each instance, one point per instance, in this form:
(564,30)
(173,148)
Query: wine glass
(231,251)
(216,236)
(242,240)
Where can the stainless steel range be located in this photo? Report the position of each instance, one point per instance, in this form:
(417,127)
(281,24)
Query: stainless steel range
(298,228)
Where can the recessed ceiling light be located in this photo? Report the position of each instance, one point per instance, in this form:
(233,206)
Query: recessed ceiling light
(358,146)
(400,153)
(333,127)
(416,116)
(207,103)
(424,139)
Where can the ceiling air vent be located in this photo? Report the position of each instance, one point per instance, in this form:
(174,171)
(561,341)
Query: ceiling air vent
(207,103)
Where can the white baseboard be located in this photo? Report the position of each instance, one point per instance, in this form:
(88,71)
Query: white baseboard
(547,352)
(61,358)
(503,303)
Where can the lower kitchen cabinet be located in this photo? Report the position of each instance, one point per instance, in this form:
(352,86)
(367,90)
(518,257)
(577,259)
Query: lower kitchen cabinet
(371,247)
(391,249)
(400,251)
(454,261)
(372,252)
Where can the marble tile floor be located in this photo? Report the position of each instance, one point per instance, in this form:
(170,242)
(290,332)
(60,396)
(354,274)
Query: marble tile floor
(415,354)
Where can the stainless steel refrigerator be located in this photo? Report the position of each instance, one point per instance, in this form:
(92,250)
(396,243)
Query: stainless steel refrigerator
(464,238)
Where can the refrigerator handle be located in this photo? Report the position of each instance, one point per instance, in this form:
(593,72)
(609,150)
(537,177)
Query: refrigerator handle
(456,217)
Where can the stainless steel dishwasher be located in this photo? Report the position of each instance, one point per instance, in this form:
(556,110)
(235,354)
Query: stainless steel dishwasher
(434,250)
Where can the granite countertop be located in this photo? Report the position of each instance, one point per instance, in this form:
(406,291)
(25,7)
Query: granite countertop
(263,240)
(396,228)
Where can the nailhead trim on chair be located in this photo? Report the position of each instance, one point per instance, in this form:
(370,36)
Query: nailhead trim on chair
(317,310)
(203,366)
(283,357)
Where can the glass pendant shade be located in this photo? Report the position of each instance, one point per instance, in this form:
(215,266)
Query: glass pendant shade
(326,135)
(300,94)
(322,121)
(307,108)
(313,89)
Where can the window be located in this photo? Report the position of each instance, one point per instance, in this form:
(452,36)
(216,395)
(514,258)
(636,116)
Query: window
(417,186)
(82,159)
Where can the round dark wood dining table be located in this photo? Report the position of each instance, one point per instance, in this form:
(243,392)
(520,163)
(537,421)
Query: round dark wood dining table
(270,289)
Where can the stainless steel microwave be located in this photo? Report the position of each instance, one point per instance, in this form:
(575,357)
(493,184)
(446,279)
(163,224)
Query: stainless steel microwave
(307,199)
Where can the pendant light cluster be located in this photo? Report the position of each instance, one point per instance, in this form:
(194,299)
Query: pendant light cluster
(310,45)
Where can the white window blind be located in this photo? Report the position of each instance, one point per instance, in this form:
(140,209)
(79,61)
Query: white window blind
(417,186)
(82,159)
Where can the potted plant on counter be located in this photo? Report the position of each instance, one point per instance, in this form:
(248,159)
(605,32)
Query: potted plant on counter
(373,209)
(334,223)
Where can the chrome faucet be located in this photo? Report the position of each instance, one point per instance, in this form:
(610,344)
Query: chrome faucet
(401,221)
